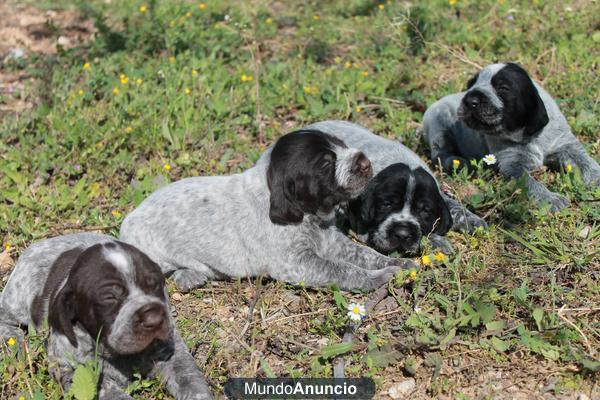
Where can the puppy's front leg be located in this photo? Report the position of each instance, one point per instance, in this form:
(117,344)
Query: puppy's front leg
(516,167)
(339,247)
(180,374)
(110,390)
(308,268)
(462,218)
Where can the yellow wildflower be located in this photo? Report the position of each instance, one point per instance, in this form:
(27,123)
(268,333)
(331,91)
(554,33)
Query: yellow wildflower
(316,17)
(22,398)
(129,129)
(115,91)
(269,21)
(124,79)
(569,168)
(188,14)
(246,78)
(80,92)
(426,260)
(439,256)
(143,8)
(412,275)
(172,23)
(347,64)
(311,90)
(187,90)
(139,81)
(358,109)
(167,167)
(381,6)
(365,73)
(116,213)
(11,341)
(7,247)
(452,2)
(86,66)
(194,72)
(201,6)
(455,163)
(172,59)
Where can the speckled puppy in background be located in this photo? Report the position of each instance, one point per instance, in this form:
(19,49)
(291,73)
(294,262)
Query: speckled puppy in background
(505,113)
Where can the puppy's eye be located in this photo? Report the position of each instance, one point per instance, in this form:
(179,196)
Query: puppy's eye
(504,88)
(424,208)
(386,205)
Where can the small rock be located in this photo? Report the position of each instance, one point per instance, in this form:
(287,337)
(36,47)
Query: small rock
(177,296)
(582,396)
(16,53)
(207,300)
(402,389)
(64,41)
(585,232)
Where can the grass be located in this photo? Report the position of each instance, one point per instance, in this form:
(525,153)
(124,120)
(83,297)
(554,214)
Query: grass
(182,89)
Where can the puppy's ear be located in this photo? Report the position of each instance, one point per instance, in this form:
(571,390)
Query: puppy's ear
(359,213)
(443,225)
(61,312)
(367,212)
(283,209)
(538,117)
(472,81)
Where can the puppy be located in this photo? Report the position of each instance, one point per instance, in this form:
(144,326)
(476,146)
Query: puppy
(276,218)
(503,112)
(402,203)
(90,288)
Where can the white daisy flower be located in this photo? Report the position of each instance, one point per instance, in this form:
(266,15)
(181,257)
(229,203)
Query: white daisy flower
(356,312)
(489,159)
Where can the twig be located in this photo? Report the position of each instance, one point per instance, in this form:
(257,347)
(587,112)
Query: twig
(78,227)
(253,303)
(319,311)
(568,321)
(30,367)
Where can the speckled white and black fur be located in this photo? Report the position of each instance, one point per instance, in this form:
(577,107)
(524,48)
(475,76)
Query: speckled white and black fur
(383,153)
(505,113)
(223,226)
(34,293)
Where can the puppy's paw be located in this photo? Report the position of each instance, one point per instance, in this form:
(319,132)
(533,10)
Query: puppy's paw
(468,222)
(187,279)
(441,243)
(557,202)
(382,276)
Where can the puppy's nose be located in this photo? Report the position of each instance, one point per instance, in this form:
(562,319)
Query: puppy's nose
(362,164)
(151,316)
(403,234)
(472,100)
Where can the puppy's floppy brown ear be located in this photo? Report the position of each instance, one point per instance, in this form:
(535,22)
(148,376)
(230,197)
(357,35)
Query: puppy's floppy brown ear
(61,312)
(283,209)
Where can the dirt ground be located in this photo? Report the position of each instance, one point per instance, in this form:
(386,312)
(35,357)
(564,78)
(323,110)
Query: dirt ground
(27,32)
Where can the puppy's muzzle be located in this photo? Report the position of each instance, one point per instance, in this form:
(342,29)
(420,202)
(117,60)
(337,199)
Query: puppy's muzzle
(406,236)
(151,320)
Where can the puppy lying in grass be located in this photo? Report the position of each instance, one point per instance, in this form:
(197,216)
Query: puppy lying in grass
(102,298)
(403,202)
(505,113)
(276,218)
